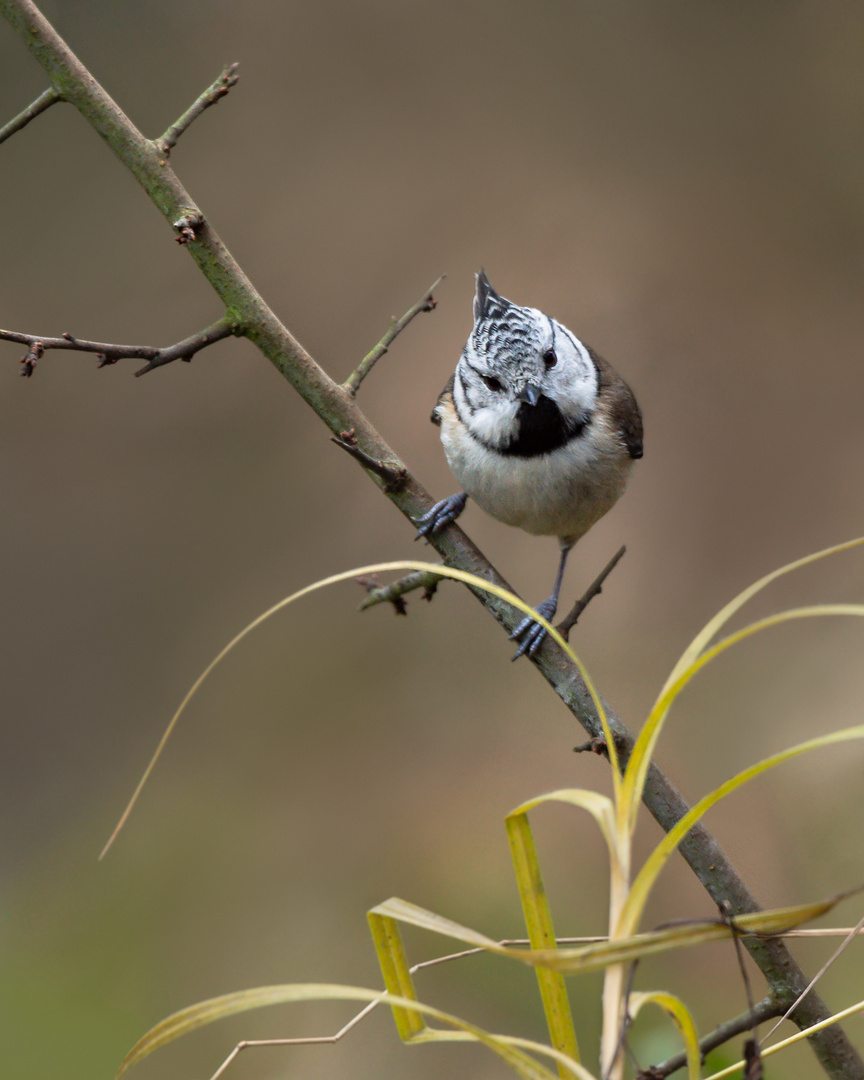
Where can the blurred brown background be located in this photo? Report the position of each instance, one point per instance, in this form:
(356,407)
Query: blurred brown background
(681,184)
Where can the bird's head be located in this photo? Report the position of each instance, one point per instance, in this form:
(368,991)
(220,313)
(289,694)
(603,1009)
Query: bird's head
(523,380)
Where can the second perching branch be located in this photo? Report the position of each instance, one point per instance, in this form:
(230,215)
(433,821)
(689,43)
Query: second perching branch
(427,302)
(217,90)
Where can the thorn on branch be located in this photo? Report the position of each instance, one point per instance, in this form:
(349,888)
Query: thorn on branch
(28,361)
(597,745)
(188,226)
(427,302)
(394,476)
(215,92)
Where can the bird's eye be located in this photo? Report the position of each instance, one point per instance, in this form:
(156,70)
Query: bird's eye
(492,382)
(549,358)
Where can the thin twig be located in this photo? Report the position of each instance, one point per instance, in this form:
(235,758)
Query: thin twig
(371,583)
(384,594)
(764,1010)
(108,353)
(596,587)
(626,1021)
(395,476)
(752,1056)
(736,940)
(45,100)
(217,90)
(427,302)
(186,349)
(67,341)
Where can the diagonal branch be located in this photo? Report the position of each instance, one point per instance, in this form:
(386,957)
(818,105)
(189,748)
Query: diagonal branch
(109,354)
(215,92)
(427,302)
(763,1010)
(45,100)
(336,407)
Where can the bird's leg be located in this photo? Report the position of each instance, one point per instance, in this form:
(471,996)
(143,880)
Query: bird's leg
(441,514)
(530,632)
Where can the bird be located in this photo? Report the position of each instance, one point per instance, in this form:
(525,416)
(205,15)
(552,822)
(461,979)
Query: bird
(538,429)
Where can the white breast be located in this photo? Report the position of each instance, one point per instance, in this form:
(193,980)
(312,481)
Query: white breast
(561,494)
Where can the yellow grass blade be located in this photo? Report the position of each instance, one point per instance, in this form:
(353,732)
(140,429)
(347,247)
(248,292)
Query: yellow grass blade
(640,759)
(681,1017)
(397,977)
(541,933)
(510,1050)
(413,915)
(601,954)
(600,807)
(398,981)
(655,862)
(603,811)
(643,750)
(376,568)
(714,625)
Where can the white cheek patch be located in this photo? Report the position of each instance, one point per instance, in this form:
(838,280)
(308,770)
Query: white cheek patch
(494,426)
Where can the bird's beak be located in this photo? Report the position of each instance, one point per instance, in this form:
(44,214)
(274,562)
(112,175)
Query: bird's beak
(529,393)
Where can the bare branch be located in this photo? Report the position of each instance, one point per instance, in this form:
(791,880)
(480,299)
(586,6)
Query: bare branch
(763,1010)
(371,583)
(392,593)
(427,302)
(596,587)
(109,354)
(45,100)
(211,95)
(186,349)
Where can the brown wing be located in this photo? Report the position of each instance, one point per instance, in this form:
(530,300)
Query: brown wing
(623,409)
(445,396)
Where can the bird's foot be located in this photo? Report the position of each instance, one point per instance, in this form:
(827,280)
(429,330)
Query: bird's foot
(441,514)
(529,633)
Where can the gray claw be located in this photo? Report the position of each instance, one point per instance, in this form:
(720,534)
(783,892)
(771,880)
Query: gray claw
(532,633)
(441,514)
